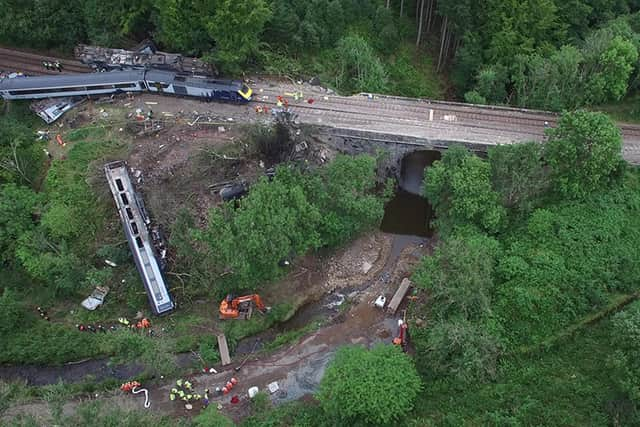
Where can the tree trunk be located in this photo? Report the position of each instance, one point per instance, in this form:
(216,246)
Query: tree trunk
(388,4)
(420,19)
(401,8)
(430,14)
(443,36)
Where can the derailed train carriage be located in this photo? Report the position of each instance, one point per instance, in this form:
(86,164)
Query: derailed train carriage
(96,84)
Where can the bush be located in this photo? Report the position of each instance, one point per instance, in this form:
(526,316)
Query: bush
(369,387)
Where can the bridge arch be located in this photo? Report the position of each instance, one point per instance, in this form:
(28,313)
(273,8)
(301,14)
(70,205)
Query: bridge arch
(411,167)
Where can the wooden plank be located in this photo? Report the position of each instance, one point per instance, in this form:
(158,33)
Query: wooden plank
(224,350)
(399,296)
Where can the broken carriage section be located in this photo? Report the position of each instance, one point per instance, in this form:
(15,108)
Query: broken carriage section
(141,239)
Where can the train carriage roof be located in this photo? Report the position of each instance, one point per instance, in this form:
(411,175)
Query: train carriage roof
(203,82)
(69,80)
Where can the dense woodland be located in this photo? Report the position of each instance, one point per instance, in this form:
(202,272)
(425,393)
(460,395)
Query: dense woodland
(524,299)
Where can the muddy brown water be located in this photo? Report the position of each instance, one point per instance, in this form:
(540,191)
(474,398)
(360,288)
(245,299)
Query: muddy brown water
(408,212)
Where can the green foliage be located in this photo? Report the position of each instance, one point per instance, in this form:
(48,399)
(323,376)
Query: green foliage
(294,212)
(459,277)
(291,414)
(110,24)
(518,175)
(623,360)
(459,350)
(21,157)
(210,27)
(45,343)
(459,189)
(344,193)
(18,204)
(54,250)
(564,385)
(211,417)
(582,153)
(350,391)
(565,262)
(11,312)
(234,48)
(359,69)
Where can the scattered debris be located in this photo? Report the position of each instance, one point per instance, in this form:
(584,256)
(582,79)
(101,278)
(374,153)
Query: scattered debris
(134,388)
(380,301)
(110,263)
(253,391)
(273,387)
(366,266)
(96,299)
(234,191)
(51,110)
(42,313)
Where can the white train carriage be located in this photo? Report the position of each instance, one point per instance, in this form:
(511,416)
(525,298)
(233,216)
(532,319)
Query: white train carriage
(66,85)
(135,223)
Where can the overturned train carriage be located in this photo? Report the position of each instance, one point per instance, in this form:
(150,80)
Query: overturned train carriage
(135,222)
(95,84)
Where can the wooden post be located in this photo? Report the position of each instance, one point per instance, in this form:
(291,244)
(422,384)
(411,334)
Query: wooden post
(224,350)
(399,296)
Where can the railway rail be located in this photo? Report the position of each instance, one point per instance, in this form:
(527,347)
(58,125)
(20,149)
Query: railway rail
(31,64)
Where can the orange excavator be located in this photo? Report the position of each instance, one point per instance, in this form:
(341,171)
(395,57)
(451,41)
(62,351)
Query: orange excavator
(241,307)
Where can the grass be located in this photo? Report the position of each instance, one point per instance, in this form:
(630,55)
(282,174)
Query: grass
(626,110)
(290,336)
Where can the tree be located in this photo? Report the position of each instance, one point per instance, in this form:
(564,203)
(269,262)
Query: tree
(344,192)
(458,349)
(110,23)
(369,387)
(18,205)
(517,173)
(582,152)
(623,361)
(609,66)
(180,24)
(459,189)
(236,28)
(20,155)
(359,69)
(459,277)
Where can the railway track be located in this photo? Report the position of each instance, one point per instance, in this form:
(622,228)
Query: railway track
(414,116)
(31,64)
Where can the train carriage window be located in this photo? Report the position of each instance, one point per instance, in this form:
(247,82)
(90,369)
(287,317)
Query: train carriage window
(125,85)
(124,198)
(139,242)
(119,184)
(134,227)
(129,213)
